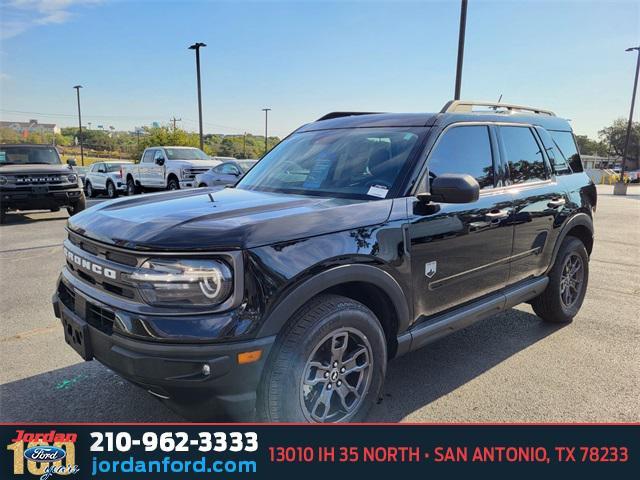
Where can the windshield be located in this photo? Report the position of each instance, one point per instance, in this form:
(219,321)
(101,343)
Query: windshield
(354,163)
(23,155)
(186,154)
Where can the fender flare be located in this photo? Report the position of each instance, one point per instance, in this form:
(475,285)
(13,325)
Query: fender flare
(302,293)
(579,219)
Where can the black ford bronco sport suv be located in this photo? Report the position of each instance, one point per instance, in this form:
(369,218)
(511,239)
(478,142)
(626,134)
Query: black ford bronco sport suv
(32,177)
(357,239)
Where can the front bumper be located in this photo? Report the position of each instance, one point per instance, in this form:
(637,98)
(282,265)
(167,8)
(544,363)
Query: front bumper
(172,371)
(39,199)
(188,183)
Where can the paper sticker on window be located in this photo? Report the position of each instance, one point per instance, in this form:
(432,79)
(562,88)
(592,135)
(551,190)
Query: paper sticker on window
(379,191)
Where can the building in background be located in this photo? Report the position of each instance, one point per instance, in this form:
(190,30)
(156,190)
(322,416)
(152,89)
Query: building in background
(32,126)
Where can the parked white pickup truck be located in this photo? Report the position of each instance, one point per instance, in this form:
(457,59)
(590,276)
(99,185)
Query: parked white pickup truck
(167,168)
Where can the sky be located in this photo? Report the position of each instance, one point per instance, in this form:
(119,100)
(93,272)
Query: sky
(304,59)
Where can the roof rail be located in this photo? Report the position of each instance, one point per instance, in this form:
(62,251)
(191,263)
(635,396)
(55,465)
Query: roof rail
(463,106)
(331,115)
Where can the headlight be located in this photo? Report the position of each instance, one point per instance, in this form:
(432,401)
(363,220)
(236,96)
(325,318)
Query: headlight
(174,283)
(73,178)
(3,180)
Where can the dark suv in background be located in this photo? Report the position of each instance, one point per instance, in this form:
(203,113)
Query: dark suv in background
(32,177)
(357,239)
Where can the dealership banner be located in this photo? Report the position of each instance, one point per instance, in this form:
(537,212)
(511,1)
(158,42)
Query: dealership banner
(182,451)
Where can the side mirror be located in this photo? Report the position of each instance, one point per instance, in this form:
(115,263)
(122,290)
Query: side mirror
(160,161)
(71,162)
(453,188)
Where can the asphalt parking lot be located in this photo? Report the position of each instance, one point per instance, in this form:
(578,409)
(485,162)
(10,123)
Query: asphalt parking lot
(509,368)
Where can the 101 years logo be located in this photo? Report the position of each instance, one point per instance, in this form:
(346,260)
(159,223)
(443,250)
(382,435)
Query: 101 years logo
(45,453)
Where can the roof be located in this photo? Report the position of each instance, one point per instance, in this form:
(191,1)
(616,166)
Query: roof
(30,145)
(173,146)
(373,120)
(27,124)
(454,111)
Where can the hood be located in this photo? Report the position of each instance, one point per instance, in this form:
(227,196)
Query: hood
(208,219)
(195,163)
(30,168)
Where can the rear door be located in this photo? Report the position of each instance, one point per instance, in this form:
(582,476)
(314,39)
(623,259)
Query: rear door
(460,252)
(538,199)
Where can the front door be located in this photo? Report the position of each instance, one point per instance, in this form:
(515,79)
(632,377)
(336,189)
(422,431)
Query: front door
(144,168)
(460,252)
(156,169)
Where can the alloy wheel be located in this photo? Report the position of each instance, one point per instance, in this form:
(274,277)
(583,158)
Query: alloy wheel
(571,280)
(336,376)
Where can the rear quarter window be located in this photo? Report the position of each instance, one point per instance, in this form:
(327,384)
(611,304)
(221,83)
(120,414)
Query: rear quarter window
(566,144)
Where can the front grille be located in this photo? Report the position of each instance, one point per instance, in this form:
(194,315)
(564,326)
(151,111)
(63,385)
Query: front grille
(101,254)
(67,297)
(95,315)
(100,318)
(102,251)
(191,173)
(38,179)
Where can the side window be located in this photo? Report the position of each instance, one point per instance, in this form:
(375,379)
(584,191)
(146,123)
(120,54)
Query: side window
(148,156)
(218,169)
(558,162)
(229,169)
(94,168)
(523,154)
(568,149)
(464,150)
(100,168)
(158,155)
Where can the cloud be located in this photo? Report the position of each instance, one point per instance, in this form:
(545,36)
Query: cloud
(19,16)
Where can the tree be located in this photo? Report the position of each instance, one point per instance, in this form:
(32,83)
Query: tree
(614,137)
(588,146)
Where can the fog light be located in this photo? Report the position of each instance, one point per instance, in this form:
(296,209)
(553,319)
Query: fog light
(249,357)
(206,370)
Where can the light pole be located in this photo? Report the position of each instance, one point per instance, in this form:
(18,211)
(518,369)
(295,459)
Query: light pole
(620,188)
(78,87)
(461,33)
(196,47)
(266,123)
(244,145)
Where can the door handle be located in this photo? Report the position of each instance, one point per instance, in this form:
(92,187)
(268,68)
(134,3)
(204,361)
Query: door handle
(556,202)
(497,214)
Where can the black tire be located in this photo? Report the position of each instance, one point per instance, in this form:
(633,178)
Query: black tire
(325,322)
(173,184)
(77,207)
(552,305)
(111,190)
(132,189)
(89,189)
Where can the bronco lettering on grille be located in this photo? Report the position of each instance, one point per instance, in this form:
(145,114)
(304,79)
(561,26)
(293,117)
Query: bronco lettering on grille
(90,266)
